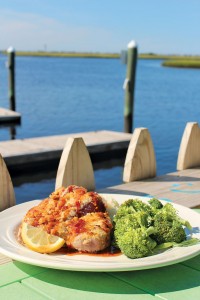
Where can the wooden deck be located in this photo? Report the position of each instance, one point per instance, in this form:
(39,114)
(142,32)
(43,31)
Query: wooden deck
(8,116)
(181,187)
(30,152)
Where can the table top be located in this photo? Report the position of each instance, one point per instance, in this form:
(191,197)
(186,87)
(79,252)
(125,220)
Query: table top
(178,281)
(23,281)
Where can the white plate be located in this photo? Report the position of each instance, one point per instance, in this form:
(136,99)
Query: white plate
(9,245)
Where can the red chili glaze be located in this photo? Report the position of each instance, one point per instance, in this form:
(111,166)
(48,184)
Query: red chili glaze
(79,226)
(65,207)
(100,206)
(70,189)
(78,205)
(74,188)
(95,206)
(35,223)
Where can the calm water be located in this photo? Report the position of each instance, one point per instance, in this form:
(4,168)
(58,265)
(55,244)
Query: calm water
(63,95)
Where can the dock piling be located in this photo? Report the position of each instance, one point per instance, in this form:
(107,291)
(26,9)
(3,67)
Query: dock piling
(11,77)
(129,86)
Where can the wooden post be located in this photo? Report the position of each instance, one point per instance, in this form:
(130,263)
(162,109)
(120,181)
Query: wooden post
(129,86)
(140,160)
(75,165)
(189,151)
(7,194)
(11,77)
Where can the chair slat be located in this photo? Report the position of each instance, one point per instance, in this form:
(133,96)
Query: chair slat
(140,160)
(75,165)
(7,194)
(189,151)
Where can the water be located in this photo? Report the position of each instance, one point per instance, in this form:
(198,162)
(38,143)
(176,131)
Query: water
(67,95)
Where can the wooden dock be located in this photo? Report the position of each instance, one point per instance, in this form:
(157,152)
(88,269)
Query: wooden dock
(33,152)
(9,116)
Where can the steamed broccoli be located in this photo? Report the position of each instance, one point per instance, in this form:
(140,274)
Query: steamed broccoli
(136,243)
(130,207)
(141,228)
(123,224)
(171,214)
(131,221)
(169,226)
(132,229)
(168,230)
(155,203)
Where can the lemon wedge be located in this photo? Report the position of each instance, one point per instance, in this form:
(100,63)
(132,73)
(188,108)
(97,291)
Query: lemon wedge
(36,239)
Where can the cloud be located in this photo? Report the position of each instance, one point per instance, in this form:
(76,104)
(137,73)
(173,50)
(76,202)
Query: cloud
(34,32)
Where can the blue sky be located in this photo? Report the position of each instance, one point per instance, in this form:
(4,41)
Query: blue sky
(159,26)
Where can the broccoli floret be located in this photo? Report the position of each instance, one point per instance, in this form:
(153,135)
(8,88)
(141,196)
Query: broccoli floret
(140,228)
(136,243)
(131,221)
(168,230)
(131,206)
(170,213)
(123,224)
(143,219)
(155,203)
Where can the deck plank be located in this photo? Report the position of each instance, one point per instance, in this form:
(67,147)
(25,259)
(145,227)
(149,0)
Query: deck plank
(181,187)
(19,152)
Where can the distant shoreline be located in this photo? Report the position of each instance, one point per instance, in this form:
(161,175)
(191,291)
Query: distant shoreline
(65,54)
(180,61)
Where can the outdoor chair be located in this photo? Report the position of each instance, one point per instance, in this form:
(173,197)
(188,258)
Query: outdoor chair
(140,162)
(189,151)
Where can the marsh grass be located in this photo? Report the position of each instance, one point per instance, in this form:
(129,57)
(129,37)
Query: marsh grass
(182,63)
(179,61)
(67,54)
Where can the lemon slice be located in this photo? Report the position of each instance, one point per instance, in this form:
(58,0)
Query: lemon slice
(35,238)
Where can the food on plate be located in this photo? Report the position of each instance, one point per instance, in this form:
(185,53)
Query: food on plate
(169,226)
(140,228)
(39,240)
(90,233)
(72,214)
(83,221)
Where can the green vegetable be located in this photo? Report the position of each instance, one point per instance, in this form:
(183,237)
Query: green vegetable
(170,212)
(131,221)
(187,243)
(169,226)
(168,230)
(136,243)
(141,229)
(132,229)
(131,207)
(155,203)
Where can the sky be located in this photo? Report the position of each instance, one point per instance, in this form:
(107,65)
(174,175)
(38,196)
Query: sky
(157,26)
